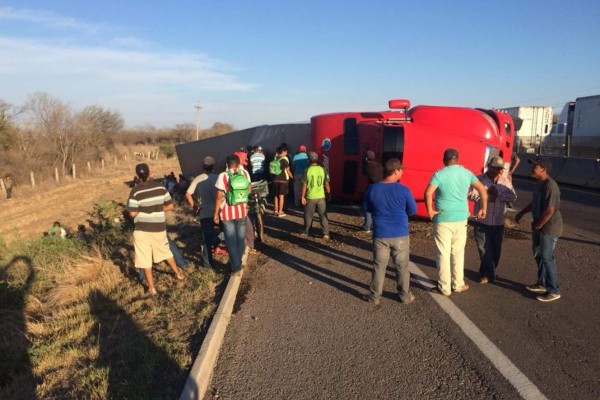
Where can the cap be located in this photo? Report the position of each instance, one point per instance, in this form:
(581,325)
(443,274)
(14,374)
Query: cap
(496,162)
(542,162)
(142,169)
(450,153)
(208,160)
(370,155)
(393,164)
(302,148)
(259,148)
(312,156)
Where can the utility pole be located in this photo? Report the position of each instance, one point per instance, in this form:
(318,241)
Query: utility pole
(197,106)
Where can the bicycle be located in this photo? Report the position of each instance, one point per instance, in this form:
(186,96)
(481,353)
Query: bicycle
(257,200)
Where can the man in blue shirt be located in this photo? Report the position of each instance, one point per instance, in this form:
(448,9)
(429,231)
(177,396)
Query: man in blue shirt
(299,164)
(450,186)
(390,204)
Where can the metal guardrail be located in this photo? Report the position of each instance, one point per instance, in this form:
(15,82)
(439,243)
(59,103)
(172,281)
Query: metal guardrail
(582,172)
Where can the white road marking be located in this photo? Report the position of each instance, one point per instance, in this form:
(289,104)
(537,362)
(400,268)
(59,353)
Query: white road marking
(520,382)
(517,379)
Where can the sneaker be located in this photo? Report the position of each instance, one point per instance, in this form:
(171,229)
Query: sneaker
(483,280)
(326,237)
(437,290)
(463,288)
(549,297)
(369,299)
(411,298)
(282,215)
(536,288)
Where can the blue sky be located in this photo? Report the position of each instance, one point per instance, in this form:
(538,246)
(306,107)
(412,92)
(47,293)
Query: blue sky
(266,62)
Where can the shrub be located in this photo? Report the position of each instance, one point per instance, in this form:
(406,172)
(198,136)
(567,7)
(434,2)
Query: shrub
(168,150)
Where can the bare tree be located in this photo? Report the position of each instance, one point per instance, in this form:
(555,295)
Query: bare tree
(96,129)
(6,137)
(183,132)
(54,120)
(218,128)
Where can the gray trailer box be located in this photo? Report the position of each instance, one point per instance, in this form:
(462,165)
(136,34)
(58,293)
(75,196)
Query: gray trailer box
(267,136)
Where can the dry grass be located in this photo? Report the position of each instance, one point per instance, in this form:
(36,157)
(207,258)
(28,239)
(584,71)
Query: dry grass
(75,325)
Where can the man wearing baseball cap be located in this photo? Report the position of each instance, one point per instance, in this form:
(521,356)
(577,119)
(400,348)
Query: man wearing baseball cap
(489,231)
(147,204)
(374,171)
(391,203)
(201,196)
(300,162)
(546,228)
(314,193)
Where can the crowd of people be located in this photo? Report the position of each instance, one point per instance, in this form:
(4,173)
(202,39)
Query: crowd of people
(388,204)
(220,200)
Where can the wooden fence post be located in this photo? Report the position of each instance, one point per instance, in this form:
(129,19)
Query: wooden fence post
(74,173)
(116,160)
(103,163)
(56,174)
(32,179)
(89,167)
(2,185)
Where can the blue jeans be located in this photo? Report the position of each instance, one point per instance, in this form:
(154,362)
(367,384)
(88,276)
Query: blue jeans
(368,225)
(207,226)
(399,249)
(235,234)
(179,260)
(489,244)
(543,251)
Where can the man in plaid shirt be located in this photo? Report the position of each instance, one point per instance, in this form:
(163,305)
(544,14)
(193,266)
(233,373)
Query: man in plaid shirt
(489,232)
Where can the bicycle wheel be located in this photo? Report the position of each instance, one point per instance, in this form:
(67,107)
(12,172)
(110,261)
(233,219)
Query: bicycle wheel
(259,227)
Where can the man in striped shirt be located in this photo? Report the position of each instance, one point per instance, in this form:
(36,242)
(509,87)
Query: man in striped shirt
(232,216)
(147,204)
(489,232)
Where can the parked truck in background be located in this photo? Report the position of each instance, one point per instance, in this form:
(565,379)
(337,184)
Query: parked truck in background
(537,123)
(577,131)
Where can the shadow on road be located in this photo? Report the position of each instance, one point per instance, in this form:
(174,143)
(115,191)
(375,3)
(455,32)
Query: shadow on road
(314,271)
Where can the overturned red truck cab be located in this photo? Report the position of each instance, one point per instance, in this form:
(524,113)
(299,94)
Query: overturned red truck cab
(416,136)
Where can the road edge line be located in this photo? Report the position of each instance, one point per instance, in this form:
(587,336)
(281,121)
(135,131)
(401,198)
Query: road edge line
(196,385)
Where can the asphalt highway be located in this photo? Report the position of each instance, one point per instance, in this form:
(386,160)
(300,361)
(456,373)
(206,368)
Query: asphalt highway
(301,330)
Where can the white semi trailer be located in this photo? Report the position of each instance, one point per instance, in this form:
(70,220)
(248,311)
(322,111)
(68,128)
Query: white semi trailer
(537,123)
(577,132)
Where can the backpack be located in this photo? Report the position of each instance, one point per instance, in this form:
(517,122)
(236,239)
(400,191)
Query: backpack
(275,167)
(237,190)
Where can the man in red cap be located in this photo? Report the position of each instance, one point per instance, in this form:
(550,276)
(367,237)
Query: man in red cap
(299,164)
